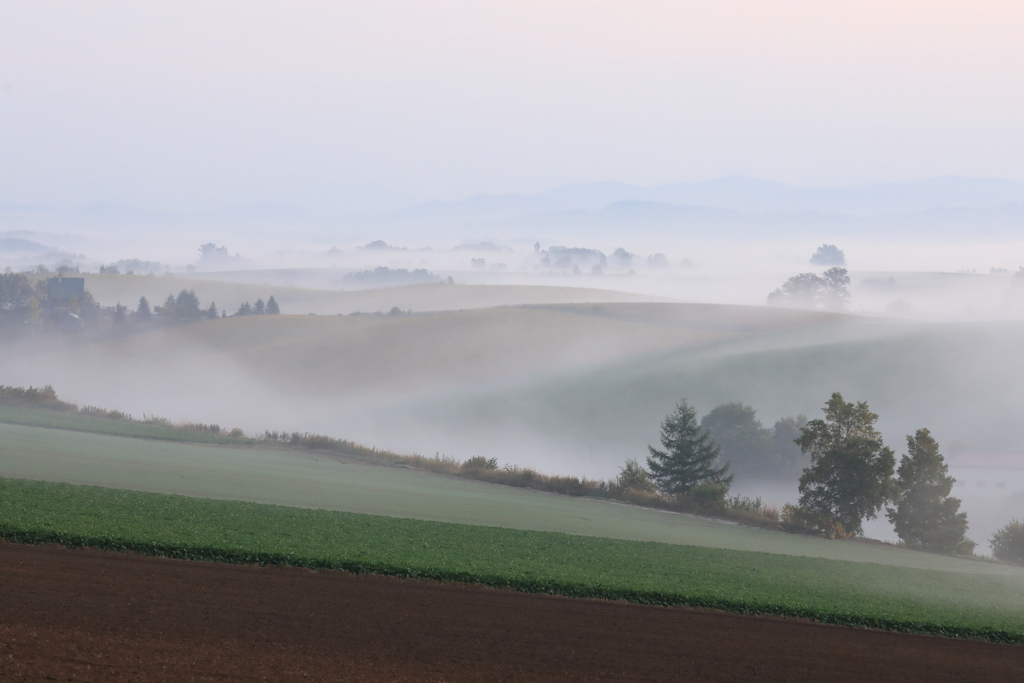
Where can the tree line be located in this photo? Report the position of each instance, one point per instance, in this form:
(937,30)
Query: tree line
(186,306)
(850,476)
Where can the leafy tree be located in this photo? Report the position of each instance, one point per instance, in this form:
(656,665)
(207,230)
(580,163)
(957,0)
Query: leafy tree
(622,257)
(828,255)
(259,308)
(830,291)
(16,292)
(785,432)
(850,476)
(745,443)
(143,311)
(272,307)
(837,289)
(689,457)
(925,516)
(633,476)
(1008,543)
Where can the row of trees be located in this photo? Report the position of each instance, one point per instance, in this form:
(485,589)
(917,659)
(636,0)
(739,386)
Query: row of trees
(186,306)
(851,475)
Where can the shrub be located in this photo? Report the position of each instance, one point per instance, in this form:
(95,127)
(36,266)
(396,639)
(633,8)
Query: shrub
(795,518)
(45,397)
(707,496)
(479,462)
(1008,543)
(633,477)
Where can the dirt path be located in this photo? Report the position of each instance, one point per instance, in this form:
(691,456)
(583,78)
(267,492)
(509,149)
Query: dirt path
(82,615)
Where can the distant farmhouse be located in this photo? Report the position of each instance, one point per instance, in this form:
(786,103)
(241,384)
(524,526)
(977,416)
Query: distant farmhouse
(62,307)
(990,474)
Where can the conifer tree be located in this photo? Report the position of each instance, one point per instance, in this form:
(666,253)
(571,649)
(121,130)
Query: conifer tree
(690,456)
(212,313)
(143,311)
(259,308)
(272,307)
(924,514)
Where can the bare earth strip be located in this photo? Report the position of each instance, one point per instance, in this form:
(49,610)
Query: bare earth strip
(92,616)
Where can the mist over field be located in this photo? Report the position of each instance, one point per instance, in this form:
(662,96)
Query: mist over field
(536,271)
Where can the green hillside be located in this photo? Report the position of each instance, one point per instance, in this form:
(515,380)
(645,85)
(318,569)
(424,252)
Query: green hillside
(351,357)
(310,480)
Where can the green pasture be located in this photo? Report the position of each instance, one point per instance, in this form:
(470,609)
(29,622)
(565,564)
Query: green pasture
(310,480)
(831,591)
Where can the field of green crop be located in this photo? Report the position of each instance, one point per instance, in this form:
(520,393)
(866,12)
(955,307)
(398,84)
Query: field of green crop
(311,480)
(860,594)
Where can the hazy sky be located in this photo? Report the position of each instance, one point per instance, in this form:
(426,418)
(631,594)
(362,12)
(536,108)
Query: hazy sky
(200,104)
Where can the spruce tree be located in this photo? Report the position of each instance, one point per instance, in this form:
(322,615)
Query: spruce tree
(272,307)
(143,311)
(689,457)
(924,515)
(259,308)
(212,312)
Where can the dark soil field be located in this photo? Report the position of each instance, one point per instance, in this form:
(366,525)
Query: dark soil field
(85,615)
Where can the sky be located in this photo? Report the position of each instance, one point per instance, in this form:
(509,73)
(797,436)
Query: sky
(196,105)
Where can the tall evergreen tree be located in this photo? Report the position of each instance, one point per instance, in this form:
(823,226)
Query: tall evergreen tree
(924,515)
(143,311)
(244,309)
(212,313)
(690,456)
(850,476)
(272,307)
(259,308)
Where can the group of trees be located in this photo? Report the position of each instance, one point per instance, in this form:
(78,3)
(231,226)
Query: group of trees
(829,291)
(185,306)
(850,474)
(753,450)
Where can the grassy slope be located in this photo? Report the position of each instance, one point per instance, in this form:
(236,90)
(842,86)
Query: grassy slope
(351,357)
(961,381)
(35,417)
(835,592)
(110,289)
(301,479)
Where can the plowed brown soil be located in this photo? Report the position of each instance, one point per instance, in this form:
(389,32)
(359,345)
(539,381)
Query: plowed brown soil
(82,615)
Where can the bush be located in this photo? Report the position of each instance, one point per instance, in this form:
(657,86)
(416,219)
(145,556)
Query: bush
(707,496)
(45,397)
(479,462)
(1008,543)
(795,518)
(633,477)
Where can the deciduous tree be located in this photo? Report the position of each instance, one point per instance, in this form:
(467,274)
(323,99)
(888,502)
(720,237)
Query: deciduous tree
(850,476)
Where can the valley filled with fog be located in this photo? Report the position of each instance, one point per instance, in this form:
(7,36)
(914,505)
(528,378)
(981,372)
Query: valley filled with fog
(552,331)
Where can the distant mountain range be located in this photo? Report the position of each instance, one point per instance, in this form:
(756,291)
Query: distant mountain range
(944,206)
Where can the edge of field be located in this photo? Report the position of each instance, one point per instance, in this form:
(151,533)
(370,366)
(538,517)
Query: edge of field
(812,588)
